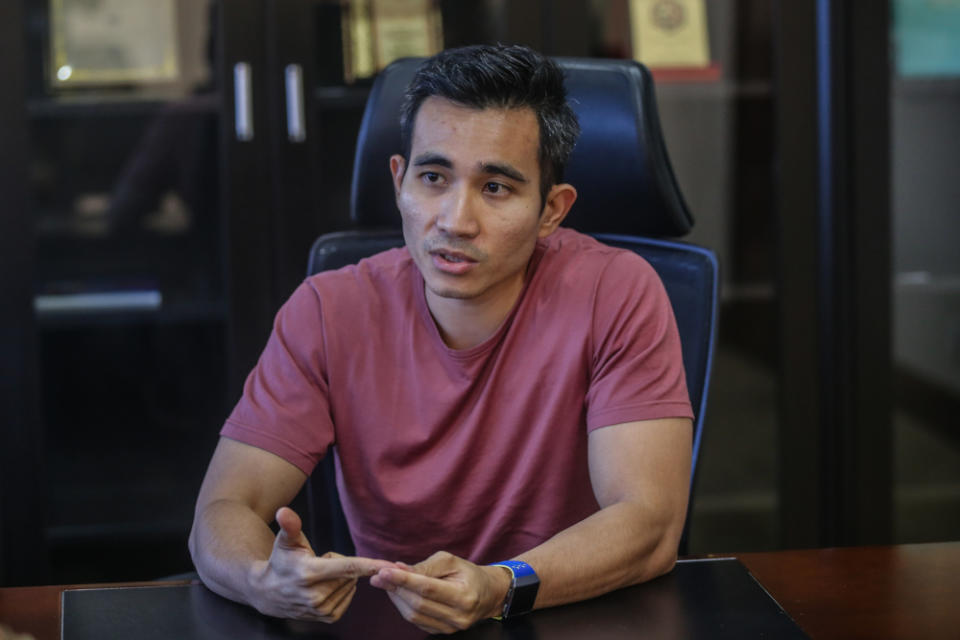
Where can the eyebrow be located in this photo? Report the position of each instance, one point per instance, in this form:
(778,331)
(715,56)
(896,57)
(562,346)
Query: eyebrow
(503,169)
(491,168)
(432,158)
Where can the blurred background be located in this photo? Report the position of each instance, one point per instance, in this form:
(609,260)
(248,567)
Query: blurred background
(166,164)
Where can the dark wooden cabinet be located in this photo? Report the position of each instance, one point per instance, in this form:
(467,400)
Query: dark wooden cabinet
(138,285)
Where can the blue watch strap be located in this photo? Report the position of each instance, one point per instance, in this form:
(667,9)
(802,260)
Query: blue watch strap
(523,588)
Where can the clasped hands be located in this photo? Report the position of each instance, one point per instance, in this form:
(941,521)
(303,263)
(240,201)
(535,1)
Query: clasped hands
(441,594)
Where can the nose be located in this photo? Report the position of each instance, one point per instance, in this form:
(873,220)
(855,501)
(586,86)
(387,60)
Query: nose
(458,215)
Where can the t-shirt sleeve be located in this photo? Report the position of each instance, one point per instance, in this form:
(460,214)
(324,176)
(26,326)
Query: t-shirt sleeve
(284,408)
(637,364)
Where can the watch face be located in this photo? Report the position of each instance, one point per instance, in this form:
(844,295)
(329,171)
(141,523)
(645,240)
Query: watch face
(524,594)
(523,588)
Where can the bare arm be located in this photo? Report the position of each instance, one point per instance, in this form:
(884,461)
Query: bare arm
(236,553)
(640,473)
(641,476)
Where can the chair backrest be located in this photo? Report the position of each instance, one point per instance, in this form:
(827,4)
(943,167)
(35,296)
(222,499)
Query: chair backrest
(620,167)
(627,197)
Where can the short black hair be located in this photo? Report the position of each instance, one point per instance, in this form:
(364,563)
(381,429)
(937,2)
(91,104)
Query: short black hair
(505,77)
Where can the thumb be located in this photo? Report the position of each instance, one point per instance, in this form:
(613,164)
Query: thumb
(441,565)
(291,530)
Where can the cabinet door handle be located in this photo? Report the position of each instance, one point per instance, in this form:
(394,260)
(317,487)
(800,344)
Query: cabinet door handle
(296,124)
(243,101)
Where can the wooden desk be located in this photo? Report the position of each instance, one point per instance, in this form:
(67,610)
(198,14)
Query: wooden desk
(36,610)
(907,591)
(910,591)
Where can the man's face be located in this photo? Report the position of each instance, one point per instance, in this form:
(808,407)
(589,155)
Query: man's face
(470,199)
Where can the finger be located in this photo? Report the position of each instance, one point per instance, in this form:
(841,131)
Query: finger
(343,602)
(379,581)
(380,563)
(431,609)
(316,603)
(337,597)
(330,594)
(291,530)
(345,567)
(427,587)
(323,589)
(289,521)
(422,620)
(438,565)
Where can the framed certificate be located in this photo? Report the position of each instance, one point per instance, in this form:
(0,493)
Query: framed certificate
(377,32)
(404,28)
(111,42)
(670,33)
(357,40)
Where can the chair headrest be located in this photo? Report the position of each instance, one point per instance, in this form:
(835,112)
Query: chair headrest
(620,167)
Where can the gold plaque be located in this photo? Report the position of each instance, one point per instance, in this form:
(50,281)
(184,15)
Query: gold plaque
(357,40)
(103,42)
(377,32)
(670,33)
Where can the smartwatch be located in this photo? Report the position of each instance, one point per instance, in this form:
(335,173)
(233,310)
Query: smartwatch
(523,588)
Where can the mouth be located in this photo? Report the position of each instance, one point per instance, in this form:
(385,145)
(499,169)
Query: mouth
(455,263)
(452,256)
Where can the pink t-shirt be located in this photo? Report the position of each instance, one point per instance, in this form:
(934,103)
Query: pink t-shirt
(483,451)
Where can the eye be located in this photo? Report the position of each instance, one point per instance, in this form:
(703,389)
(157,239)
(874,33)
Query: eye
(431,177)
(496,188)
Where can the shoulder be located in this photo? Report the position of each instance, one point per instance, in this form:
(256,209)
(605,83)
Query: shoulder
(370,278)
(570,254)
(609,284)
(338,304)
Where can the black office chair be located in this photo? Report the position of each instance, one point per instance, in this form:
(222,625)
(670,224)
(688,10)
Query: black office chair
(627,197)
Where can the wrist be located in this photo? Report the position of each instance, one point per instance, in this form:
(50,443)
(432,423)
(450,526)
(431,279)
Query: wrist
(256,573)
(501,579)
(524,586)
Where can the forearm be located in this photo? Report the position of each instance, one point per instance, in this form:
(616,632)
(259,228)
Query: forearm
(621,545)
(227,539)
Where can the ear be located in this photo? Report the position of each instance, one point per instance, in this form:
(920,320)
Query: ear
(397,169)
(559,200)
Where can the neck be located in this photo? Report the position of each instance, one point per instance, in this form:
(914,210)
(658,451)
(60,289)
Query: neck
(465,323)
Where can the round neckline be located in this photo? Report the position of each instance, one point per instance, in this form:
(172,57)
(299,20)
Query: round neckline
(419,286)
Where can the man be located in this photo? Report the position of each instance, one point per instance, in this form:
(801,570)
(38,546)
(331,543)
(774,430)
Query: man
(499,388)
